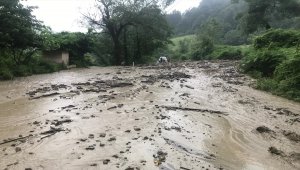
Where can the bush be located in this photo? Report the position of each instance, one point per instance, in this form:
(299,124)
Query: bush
(227,52)
(267,84)
(230,55)
(278,38)
(277,69)
(5,74)
(203,48)
(263,61)
(22,70)
(288,73)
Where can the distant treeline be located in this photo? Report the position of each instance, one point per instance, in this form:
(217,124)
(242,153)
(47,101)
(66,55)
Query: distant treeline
(237,19)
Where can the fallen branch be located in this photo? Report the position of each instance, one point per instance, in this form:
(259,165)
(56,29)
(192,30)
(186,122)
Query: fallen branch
(48,136)
(16,139)
(192,109)
(51,132)
(45,95)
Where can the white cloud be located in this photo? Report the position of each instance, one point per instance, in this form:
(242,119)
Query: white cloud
(65,15)
(183,5)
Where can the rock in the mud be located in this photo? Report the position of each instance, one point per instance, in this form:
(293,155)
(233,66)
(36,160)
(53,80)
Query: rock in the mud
(83,139)
(275,151)
(91,136)
(286,112)
(60,122)
(94,164)
(36,123)
(91,147)
(111,108)
(137,129)
(159,157)
(263,129)
(292,136)
(190,87)
(102,135)
(106,161)
(295,156)
(18,149)
(111,139)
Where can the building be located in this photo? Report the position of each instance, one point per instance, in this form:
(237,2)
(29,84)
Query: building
(57,56)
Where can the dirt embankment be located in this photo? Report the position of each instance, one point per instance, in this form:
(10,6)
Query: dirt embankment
(182,116)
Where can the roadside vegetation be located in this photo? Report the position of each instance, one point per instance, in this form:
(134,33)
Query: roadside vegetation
(264,37)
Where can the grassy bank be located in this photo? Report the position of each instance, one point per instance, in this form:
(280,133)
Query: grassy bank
(185,48)
(273,59)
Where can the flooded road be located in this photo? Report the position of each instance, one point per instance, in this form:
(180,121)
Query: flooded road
(186,116)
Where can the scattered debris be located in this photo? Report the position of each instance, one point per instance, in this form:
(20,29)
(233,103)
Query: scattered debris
(192,109)
(292,136)
(263,129)
(275,151)
(159,157)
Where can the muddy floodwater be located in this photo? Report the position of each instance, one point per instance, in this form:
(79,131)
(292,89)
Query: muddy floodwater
(181,116)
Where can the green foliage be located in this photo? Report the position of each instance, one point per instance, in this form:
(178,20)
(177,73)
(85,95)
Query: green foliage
(206,37)
(22,70)
(278,38)
(275,62)
(227,53)
(288,73)
(17,25)
(18,31)
(136,28)
(5,74)
(44,66)
(267,84)
(234,37)
(203,48)
(261,13)
(180,48)
(263,61)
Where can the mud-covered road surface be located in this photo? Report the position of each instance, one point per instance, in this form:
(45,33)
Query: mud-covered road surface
(172,117)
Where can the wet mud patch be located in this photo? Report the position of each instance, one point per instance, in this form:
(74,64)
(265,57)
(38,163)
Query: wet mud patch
(121,117)
(191,151)
(292,136)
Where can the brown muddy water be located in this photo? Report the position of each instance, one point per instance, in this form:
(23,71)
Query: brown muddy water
(185,116)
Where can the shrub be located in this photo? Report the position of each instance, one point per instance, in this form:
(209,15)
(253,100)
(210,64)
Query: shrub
(22,70)
(267,84)
(5,74)
(288,73)
(263,61)
(203,48)
(278,38)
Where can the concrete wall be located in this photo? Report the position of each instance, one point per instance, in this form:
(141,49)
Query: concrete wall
(57,56)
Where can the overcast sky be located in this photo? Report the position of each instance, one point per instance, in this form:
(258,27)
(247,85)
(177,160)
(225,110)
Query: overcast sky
(65,15)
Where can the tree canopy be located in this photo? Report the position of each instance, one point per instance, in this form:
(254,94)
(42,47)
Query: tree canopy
(117,18)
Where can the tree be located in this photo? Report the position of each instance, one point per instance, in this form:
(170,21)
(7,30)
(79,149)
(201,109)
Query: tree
(18,30)
(116,16)
(174,19)
(149,32)
(260,13)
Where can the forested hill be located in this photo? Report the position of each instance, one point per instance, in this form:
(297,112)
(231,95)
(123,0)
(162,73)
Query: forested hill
(231,16)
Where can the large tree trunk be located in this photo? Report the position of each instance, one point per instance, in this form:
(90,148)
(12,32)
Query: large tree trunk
(126,57)
(118,52)
(118,58)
